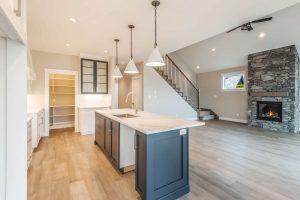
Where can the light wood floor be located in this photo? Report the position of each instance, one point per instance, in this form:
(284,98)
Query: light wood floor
(227,161)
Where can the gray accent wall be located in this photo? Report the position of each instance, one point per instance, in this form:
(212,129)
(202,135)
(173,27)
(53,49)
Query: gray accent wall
(276,70)
(228,105)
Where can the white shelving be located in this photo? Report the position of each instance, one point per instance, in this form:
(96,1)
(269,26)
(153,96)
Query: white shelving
(59,106)
(62,101)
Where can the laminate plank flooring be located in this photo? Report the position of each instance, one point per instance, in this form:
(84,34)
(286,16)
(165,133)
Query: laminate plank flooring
(228,161)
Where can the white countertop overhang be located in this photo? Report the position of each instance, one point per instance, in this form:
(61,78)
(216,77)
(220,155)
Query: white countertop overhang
(149,123)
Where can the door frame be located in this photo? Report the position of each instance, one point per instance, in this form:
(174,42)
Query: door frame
(46,95)
(3,107)
(140,79)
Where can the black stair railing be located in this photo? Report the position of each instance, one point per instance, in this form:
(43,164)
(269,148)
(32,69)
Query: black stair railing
(180,82)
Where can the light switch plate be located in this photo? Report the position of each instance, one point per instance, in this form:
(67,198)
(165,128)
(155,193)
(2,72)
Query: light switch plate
(182,131)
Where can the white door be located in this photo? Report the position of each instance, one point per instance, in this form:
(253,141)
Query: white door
(137,87)
(2,117)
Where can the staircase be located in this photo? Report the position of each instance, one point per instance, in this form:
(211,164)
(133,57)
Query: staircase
(183,86)
(205,115)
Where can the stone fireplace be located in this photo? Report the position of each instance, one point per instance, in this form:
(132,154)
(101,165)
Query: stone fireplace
(273,86)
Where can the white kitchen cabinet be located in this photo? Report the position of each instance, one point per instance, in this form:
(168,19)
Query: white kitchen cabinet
(38,126)
(87,119)
(29,140)
(41,126)
(13,20)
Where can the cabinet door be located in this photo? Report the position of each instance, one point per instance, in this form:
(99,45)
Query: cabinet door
(108,133)
(101,78)
(140,163)
(99,133)
(29,140)
(94,77)
(162,164)
(87,76)
(115,143)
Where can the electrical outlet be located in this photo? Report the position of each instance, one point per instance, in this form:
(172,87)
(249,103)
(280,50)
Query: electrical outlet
(183,132)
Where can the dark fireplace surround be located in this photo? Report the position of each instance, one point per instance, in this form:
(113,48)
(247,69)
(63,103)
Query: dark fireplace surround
(269,111)
(274,90)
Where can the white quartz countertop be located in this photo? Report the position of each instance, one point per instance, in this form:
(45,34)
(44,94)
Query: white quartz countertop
(149,123)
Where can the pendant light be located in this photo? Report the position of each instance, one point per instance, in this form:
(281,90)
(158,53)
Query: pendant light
(155,59)
(116,72)
(131,68)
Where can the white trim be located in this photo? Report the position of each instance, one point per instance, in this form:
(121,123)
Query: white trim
(234,73)
(234,120)
(92,57)
(46,95)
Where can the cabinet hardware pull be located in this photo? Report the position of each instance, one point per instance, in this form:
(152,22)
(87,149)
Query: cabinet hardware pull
(19,9)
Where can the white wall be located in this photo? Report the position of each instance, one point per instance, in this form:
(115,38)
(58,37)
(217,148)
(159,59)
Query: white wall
(94,100)
(16,115)
(160,97)
(46,60)
(2,117)
(228,105)
(184,67)
(42,61)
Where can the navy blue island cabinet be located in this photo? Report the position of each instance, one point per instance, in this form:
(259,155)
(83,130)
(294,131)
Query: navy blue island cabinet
(162,164)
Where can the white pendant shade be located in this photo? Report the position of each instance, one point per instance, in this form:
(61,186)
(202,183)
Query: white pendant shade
(131,68)
(117,73)
(155,59)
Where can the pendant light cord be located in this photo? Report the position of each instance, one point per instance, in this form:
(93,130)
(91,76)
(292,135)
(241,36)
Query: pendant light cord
(131,43)
(117,60)
(155,24)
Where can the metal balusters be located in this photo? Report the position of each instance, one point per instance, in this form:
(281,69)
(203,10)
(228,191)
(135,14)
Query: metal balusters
(178,80)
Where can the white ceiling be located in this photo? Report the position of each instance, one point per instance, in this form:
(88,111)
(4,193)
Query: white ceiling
(181,23)
(232,49)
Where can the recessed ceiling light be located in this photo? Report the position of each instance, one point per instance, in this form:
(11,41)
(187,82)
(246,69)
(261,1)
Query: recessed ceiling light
(105,51)
(67,45)
(213,49)
(198,67)
(262,35)
(72,19)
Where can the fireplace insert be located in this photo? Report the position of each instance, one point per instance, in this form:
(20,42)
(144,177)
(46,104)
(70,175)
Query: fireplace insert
(269,111)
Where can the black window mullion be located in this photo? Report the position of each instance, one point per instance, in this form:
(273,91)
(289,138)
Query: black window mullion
(95,77)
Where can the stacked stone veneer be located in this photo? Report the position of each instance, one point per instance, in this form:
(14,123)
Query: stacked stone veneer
(275,70)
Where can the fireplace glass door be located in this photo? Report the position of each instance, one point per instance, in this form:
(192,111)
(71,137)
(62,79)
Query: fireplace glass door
(270,111)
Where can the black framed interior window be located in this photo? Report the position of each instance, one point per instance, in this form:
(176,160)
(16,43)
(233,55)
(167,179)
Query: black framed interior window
(94,76)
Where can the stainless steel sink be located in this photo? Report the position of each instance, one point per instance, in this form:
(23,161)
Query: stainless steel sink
(126,115)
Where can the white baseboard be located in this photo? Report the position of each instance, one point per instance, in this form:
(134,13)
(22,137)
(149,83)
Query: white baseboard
(234,120)
(194,119)
(88,133)
(58,126)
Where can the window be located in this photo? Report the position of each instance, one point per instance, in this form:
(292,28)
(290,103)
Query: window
(94,77)
(233,81)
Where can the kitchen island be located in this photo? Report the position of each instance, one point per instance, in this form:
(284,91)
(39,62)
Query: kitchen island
(156,145)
